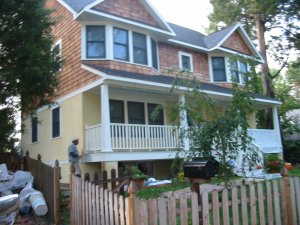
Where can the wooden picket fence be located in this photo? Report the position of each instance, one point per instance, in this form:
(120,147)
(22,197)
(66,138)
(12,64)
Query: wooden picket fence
(50,187)
(267,202)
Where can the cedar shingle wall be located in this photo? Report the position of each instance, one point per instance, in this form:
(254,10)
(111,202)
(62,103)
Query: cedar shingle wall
(130,9)
(236,43)
(72,76)
(169,58)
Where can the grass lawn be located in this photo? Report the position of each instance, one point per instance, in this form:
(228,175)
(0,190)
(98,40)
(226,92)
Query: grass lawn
(295,171)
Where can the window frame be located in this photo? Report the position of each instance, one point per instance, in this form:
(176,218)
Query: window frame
(87,41)
(225,69)
(190,56)
(121,44)
(123,110)
(145,50)
(59,122)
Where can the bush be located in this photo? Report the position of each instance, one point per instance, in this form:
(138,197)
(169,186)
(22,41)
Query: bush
(291,151)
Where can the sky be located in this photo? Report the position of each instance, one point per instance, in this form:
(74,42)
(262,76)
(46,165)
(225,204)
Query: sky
(188,13)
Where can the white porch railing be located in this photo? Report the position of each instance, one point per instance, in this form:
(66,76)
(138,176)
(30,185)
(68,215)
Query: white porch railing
(159,137)
(134,137)
(267,140)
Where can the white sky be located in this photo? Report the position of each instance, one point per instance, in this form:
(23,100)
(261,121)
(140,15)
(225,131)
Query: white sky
(188,13)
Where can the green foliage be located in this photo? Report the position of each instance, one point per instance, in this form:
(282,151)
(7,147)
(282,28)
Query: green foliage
(273,164)
(27,74)
(291,151)
(223,132)
(135,173)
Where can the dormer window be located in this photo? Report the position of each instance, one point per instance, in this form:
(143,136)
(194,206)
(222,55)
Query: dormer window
(95,41)
(139,48)
(185,62)
(121,50)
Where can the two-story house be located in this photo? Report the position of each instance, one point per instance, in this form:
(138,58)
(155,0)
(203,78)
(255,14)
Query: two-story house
(116,53)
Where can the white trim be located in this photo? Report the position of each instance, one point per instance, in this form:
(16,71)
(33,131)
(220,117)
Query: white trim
(68,8)
(240,54)
(89,6)
(160,17)
(123,20)
(109,42)
(226,37)
(188,45)
(180,54)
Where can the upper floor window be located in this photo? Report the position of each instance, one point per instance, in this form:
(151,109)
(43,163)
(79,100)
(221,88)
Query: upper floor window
(57,48)
(232,71)
(56,122)
(185,62)
(219,69)
(139,48)
(95,41)
(121,44)
(108,42)
(154,54)
(34,129)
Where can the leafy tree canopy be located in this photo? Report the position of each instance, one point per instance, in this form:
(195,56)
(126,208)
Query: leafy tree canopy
(28,66)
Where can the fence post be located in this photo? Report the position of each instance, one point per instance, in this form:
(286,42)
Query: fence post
(286,201)
(56,182)
(131,190)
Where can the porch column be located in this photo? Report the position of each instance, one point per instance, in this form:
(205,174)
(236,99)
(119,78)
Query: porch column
(183,122)
(276,123)
(105,119)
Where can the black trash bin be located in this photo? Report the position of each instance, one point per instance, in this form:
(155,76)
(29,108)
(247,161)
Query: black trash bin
(200,169)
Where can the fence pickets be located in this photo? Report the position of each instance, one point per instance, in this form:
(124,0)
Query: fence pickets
(272,202)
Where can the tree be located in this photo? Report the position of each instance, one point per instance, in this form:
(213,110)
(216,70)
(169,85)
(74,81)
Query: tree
(222,135)
(287,91)
(28,66)
(260,17)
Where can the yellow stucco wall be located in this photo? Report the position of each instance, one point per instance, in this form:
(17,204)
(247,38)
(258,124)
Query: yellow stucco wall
(50,148)
(91,109)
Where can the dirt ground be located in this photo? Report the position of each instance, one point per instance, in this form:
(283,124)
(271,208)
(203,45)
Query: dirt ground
(30,219)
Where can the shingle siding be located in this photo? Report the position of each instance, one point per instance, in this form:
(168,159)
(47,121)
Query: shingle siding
(72,76)
(236,43)
(130,9)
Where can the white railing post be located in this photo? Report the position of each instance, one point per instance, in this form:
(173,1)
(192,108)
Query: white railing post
(276,123)
(105,119)
(183,122)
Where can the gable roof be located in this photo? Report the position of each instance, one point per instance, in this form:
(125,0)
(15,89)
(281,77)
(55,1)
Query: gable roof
(77,5)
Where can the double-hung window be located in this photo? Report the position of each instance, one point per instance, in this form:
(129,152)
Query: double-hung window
(219,69)
(243,71)
(121,44)
(56,122)
(154,54)
(34,129)
(185,62)
(95,41)
(139,48)
(155,114)
(136,113)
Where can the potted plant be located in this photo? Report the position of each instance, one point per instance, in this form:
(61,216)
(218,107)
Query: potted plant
(273,164)
(137,175)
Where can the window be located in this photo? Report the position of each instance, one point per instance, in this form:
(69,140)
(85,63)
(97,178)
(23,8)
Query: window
(155,114)
(121,44)
(154,54)
(95,41)
(234,69)
(218,69)
(139,48)
(136,113)
(34,129)
(185,61)
(116,109)
(56,122)
(243,71)
(57,55)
